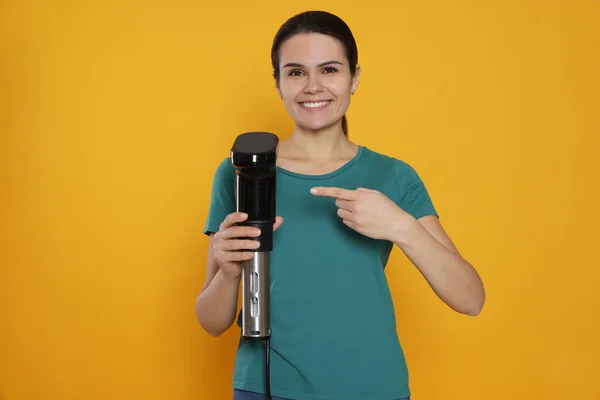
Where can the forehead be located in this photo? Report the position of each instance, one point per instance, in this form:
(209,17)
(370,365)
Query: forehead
(311,48)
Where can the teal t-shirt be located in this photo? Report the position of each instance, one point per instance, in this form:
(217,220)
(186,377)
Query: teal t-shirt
(332,318)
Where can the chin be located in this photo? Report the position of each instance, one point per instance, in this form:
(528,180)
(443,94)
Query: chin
(315,126)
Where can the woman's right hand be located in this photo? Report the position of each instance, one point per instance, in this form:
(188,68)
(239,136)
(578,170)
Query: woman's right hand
(231,238)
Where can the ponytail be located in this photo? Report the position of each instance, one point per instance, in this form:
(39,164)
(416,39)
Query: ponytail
(345,125)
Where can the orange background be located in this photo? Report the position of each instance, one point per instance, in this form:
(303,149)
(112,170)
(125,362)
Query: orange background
(115,115)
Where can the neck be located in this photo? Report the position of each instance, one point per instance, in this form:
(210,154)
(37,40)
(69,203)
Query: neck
(322,145)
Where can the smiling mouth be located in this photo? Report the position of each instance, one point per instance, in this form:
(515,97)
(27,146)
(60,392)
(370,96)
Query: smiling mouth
(312,105)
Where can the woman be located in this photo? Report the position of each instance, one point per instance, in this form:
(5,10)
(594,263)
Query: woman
(345,206)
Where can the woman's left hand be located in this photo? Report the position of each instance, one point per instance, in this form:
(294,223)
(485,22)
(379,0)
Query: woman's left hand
(368,212)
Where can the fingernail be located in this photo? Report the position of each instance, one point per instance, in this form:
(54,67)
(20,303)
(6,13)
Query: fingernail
(243,215)
(314,191)
(257,231)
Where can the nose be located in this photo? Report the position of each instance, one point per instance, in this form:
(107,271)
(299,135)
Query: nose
(313,85)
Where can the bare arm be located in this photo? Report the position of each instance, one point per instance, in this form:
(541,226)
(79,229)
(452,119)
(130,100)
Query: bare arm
(216,306)
(450,276)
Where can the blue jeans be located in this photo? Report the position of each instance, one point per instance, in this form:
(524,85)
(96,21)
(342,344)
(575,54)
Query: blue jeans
(244,395)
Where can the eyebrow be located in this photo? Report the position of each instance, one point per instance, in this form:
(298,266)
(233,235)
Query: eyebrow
(297,65)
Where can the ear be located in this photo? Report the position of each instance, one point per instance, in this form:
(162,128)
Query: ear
(355,79)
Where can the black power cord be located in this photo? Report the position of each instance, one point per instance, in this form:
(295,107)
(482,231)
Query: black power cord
(268,368)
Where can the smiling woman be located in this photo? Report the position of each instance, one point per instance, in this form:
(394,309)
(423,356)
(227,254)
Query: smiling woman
(345,207)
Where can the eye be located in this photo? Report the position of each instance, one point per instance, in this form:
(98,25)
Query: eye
(295,72)
(329,70)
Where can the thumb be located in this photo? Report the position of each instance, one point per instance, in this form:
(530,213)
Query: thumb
(278,222)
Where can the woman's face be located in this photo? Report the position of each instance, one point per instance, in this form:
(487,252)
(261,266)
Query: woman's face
(315,80)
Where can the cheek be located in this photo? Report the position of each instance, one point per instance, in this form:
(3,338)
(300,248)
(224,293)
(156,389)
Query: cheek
(339,85)
(341,90)
(290,88)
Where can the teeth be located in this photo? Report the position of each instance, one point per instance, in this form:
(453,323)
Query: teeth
(314,105)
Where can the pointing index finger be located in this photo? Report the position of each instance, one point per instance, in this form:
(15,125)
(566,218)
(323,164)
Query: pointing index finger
(335,192)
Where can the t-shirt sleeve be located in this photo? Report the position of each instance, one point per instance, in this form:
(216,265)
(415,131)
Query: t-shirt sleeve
(413,197)
(222,196)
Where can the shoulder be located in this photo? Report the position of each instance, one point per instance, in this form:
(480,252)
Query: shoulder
(222,198)
(403,172)
(224,169)
(224,176)
(224,166)
(401,183)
